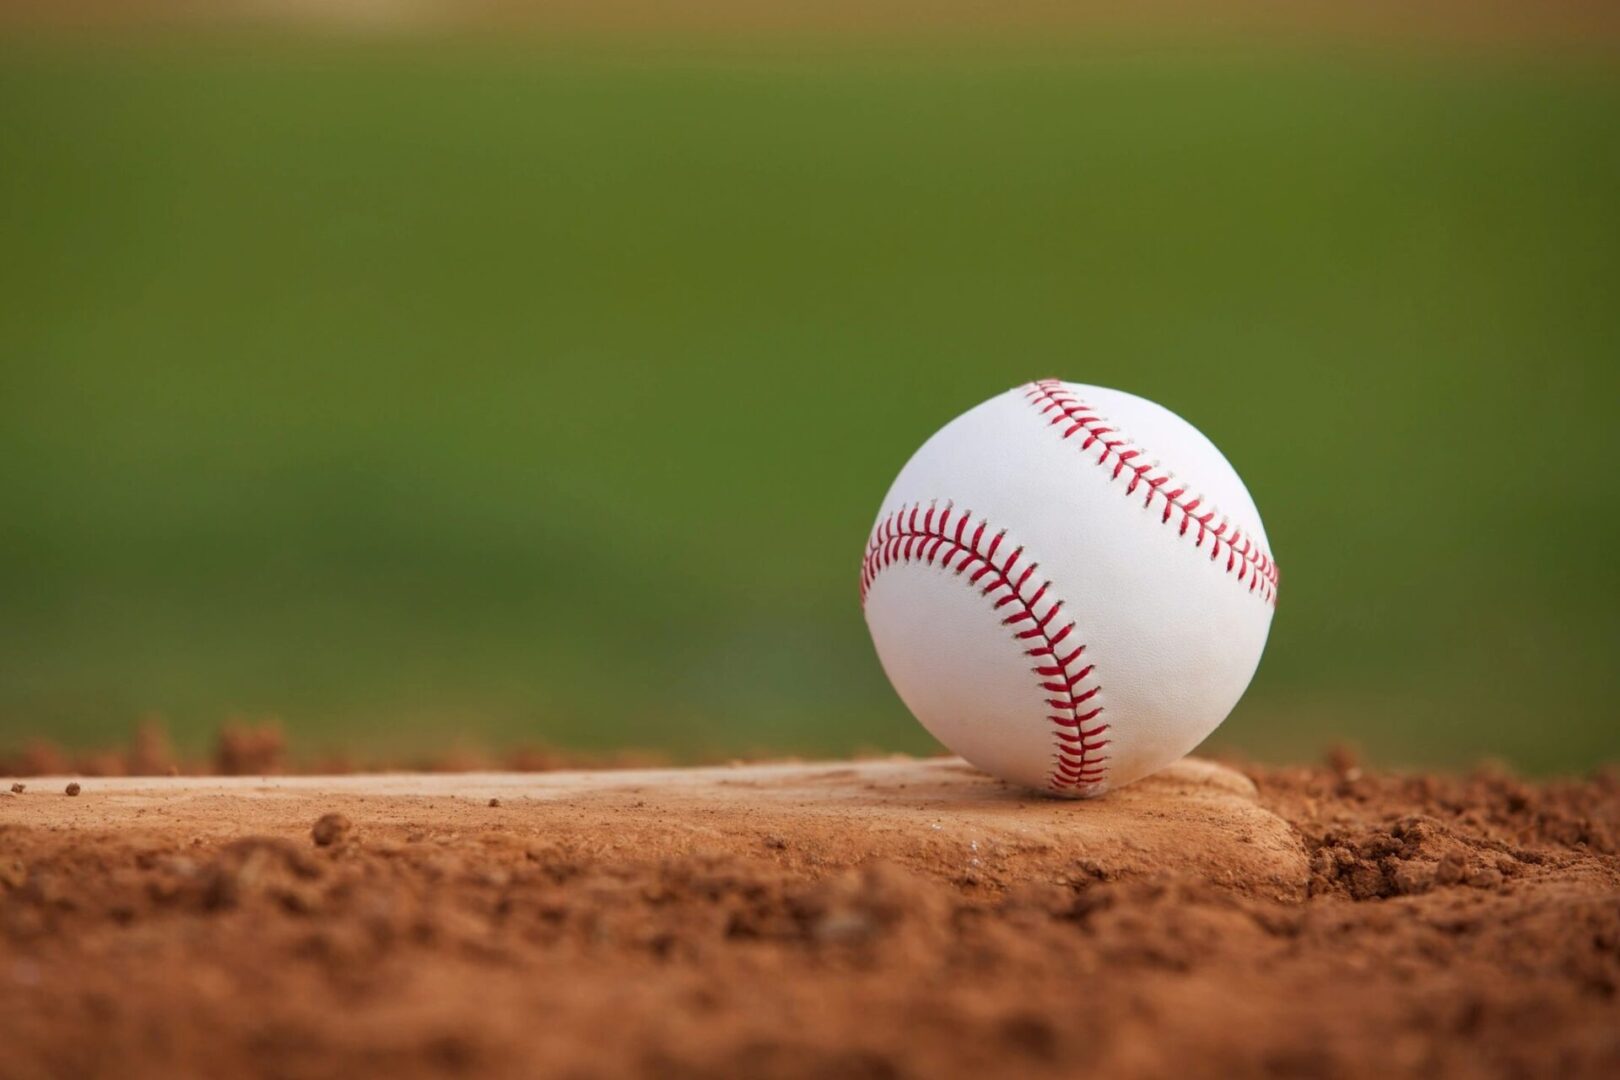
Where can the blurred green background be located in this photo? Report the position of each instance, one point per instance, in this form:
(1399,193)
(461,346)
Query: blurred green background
(473,389)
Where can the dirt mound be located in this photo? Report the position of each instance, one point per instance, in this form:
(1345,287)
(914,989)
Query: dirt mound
(884,919)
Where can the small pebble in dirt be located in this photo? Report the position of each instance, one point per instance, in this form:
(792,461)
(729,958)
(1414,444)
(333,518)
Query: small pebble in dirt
(494,802)
(18,788)
(330,829)
(73,788)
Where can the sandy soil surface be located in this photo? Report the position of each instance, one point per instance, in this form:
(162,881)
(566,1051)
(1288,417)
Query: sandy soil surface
(894,918)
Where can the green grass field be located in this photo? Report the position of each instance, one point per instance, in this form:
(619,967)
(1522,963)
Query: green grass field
(428,391)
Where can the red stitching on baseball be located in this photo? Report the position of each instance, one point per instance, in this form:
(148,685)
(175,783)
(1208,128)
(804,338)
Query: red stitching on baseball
(1243,556)
(901,538)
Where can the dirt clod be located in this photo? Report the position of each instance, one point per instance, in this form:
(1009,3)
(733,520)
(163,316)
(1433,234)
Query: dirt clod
(250,749)
(73,788)
(329,829)
(18,787)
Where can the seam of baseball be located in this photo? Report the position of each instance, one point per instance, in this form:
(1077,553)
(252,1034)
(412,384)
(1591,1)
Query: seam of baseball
(900,537)
(1053,400)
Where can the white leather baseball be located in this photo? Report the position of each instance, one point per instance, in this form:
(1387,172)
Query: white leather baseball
(1069,586)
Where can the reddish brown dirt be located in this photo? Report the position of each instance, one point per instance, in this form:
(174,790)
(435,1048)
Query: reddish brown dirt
(882,919)
(242,748)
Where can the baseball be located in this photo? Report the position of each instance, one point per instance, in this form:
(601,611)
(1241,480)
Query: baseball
(1069,586)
